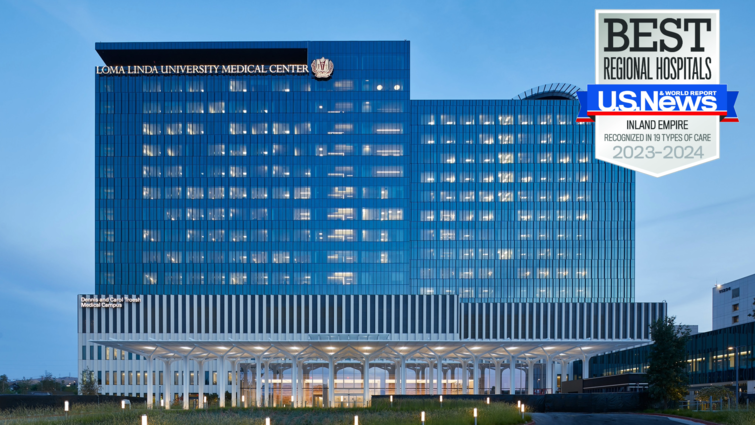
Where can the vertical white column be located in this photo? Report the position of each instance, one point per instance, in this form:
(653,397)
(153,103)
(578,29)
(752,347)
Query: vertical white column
(300,395)
(186,382)
(586,366)
(239,390)
(294,381)
(464,377)
(439,359)
(475,374)
(266,389)
(530,376)
(554,378)
(497,376)
(222,378)
(403,376)
(258,381)
(512,373)
(233,383)
(430,382)
(366,379)
(150,387)
(564,371)
(331,381)
(168,380)
(200,382)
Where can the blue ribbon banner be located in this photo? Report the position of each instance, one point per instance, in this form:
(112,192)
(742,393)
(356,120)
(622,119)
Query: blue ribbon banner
(657,99)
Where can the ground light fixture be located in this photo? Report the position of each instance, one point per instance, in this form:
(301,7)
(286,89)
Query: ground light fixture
(267,421)
(518,404)
(391,401)
(487,401)
(144,419)
(441,401)
(356,420)
(422,418)
(522,407)
(475,416)
(65,407)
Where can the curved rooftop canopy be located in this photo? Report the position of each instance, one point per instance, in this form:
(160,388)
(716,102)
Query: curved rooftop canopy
(553,91)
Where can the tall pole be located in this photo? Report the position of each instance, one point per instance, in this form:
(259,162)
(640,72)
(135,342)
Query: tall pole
(736,366)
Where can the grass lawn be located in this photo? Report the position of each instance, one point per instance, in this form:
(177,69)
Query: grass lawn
(728,417)
(403,413)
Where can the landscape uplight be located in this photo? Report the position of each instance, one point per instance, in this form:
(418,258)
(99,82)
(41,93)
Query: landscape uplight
(391,401)
(441,401)
(522,407)
(356,420)
(267,421)
(144,419)
(123,404)
(475,416)
(423,418)
(65,407)
(488,400)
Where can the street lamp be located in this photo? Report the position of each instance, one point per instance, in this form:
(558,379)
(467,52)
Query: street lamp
(736,371)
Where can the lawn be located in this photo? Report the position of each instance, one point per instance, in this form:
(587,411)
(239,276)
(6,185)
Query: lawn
(402,413)
(728,417)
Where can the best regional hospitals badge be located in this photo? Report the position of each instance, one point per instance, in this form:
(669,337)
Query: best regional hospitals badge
(657,102)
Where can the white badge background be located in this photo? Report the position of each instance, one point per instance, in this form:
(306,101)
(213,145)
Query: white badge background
(657,167)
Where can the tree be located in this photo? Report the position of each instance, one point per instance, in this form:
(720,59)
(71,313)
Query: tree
(717,392)
(88,384)
(23,386)
(667,368)
(4,384)
(48,383)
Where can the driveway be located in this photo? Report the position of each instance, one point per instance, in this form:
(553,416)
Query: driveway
(602,419)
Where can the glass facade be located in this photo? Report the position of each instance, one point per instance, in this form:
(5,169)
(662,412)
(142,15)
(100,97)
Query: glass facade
(711,357)
(288,184)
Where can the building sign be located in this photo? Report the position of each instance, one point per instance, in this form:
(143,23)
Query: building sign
(107,302)
(657,102)
(322,68)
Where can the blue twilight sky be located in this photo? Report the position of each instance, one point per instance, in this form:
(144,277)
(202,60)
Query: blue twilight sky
(694,228)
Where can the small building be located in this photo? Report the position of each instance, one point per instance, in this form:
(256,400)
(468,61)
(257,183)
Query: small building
(733,302)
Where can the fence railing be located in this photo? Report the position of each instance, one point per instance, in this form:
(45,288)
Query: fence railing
(712,405)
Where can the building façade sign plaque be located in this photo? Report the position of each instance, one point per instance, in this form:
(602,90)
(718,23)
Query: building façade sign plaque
(107,302)
(321,68)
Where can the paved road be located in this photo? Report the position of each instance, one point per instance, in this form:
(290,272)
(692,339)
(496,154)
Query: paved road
(602,419)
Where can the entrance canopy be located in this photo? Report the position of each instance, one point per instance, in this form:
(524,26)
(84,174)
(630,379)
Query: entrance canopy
(371,347)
